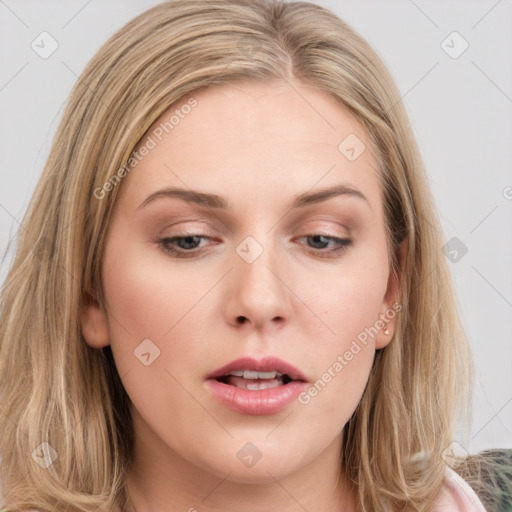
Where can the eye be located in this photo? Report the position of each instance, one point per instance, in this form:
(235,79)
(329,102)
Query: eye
(186,246)
(341,244)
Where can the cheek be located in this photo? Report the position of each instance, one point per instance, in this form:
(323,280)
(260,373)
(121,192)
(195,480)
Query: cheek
(146,296)
(350,300)
(350,306)
(342,361)
(169,303)
(147,300)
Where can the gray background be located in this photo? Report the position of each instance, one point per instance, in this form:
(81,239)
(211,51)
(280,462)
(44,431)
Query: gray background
(460,109)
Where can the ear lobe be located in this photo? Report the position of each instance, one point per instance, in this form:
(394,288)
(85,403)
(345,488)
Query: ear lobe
(390,304)
(94,322)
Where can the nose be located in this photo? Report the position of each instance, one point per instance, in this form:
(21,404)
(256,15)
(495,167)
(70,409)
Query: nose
(258,294)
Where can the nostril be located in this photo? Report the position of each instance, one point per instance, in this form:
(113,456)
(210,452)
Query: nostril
(241,319)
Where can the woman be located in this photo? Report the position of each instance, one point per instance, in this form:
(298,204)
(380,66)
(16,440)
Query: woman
(229,290)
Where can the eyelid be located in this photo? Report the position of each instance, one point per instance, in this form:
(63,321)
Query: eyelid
(229,223)
(342,217)
(322,227)
(325,226)
(205,226)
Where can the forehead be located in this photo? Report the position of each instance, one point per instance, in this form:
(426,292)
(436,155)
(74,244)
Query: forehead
(251,112)
(257,140)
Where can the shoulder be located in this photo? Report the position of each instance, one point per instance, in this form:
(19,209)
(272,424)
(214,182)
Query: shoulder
(457,496)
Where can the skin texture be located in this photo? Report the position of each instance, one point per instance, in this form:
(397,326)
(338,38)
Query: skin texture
(258,146)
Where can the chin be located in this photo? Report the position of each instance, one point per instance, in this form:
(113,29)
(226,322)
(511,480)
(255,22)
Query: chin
(259,474)
(249,465)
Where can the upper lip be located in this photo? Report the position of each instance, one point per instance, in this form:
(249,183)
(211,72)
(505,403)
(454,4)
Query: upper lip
(266,364)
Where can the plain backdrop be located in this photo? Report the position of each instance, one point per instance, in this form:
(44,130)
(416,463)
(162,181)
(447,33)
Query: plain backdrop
(452,61)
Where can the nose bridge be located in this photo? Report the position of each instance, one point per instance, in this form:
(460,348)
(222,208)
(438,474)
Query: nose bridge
(257,256)
(259,293)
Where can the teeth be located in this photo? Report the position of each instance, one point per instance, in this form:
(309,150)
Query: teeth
(259,375)
(255,386)
(249,374)
(254,381)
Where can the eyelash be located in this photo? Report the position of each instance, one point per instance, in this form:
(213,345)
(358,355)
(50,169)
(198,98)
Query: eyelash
(343,243)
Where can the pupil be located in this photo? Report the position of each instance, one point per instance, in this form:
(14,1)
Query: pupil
(188,241)
(317,240)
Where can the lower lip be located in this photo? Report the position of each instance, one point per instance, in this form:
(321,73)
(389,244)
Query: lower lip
(256,402)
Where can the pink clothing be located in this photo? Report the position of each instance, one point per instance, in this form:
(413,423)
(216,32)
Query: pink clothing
(457,495)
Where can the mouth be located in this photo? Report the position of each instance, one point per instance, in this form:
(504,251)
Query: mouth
(255,374)
(248,379)
(256,387)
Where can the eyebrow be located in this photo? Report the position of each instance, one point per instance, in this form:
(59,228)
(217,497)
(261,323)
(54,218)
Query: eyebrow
(220,203)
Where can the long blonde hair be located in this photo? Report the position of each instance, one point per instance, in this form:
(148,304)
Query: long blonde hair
(56,389)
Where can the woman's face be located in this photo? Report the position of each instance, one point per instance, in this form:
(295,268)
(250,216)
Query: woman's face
(194,282)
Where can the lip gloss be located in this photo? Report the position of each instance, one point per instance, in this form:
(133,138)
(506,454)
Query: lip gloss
(256,402)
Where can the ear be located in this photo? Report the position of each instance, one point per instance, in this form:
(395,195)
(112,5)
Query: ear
(94,322)
(390,304)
